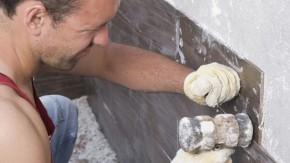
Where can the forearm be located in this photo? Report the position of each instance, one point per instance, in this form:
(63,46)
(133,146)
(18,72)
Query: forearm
(143,70)
(133,68)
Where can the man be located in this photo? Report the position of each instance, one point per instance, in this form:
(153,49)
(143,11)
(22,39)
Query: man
(69,36)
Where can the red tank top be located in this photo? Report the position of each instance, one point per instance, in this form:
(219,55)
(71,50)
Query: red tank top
(5,80)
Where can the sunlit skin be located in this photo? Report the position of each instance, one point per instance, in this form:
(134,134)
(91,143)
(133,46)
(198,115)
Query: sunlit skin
(64,43)
(31,38)
(30,43)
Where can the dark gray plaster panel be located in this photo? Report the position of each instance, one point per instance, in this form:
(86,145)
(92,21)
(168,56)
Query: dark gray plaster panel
(201,48)
(142,127)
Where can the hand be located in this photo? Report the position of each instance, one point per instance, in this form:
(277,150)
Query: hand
(212,84)
(217,156)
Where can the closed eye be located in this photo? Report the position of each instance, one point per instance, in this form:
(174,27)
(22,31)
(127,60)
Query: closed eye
(95,29)
(90,45)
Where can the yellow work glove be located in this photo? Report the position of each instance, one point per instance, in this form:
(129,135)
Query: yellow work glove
(215,156)
(212,84)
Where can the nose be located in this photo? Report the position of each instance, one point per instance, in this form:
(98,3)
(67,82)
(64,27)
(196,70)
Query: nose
(102,37)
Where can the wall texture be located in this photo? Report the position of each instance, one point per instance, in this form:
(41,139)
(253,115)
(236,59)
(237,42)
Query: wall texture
(259,31)
(140,126)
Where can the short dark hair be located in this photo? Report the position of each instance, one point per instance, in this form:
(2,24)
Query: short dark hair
(57,9)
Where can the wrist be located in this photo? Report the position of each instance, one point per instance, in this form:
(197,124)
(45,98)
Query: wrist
(184,80)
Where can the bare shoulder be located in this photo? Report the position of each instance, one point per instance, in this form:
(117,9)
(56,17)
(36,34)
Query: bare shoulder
(19,139)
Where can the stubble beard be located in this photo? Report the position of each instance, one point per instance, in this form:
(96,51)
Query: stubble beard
(59,63)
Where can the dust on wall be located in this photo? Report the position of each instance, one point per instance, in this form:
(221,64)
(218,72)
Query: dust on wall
(259,31)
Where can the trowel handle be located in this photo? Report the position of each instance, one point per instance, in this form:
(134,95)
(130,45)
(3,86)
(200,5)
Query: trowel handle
(202,133)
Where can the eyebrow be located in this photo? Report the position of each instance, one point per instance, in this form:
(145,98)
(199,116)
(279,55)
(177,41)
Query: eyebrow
(94,29)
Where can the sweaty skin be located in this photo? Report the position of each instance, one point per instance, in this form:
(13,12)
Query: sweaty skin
(31,43)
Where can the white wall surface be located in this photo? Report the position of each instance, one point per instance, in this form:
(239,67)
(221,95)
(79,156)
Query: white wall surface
(258,30)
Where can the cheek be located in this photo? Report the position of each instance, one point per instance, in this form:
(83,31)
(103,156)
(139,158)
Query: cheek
(67,46)
(70,48)
(82,44)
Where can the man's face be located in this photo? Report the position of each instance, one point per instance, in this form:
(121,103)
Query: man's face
(63,44)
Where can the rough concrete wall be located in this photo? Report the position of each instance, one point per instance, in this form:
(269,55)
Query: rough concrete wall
(259,31)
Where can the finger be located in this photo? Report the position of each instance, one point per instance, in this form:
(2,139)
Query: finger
(228,77)
(212,99)
(218,156)
(224,154)
(201,86)
(188,88)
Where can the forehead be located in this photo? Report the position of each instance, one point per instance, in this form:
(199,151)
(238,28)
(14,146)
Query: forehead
(96,12)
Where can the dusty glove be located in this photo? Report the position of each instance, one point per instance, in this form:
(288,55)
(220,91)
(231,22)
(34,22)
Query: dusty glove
(217,156)
(212,84)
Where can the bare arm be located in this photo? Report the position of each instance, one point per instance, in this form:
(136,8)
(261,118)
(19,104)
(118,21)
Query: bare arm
(19,141)
(134,68)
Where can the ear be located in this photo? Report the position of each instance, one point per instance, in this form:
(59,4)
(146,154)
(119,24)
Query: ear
(35,18)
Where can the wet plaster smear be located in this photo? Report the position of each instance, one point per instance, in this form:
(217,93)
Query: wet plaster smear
(259,31)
